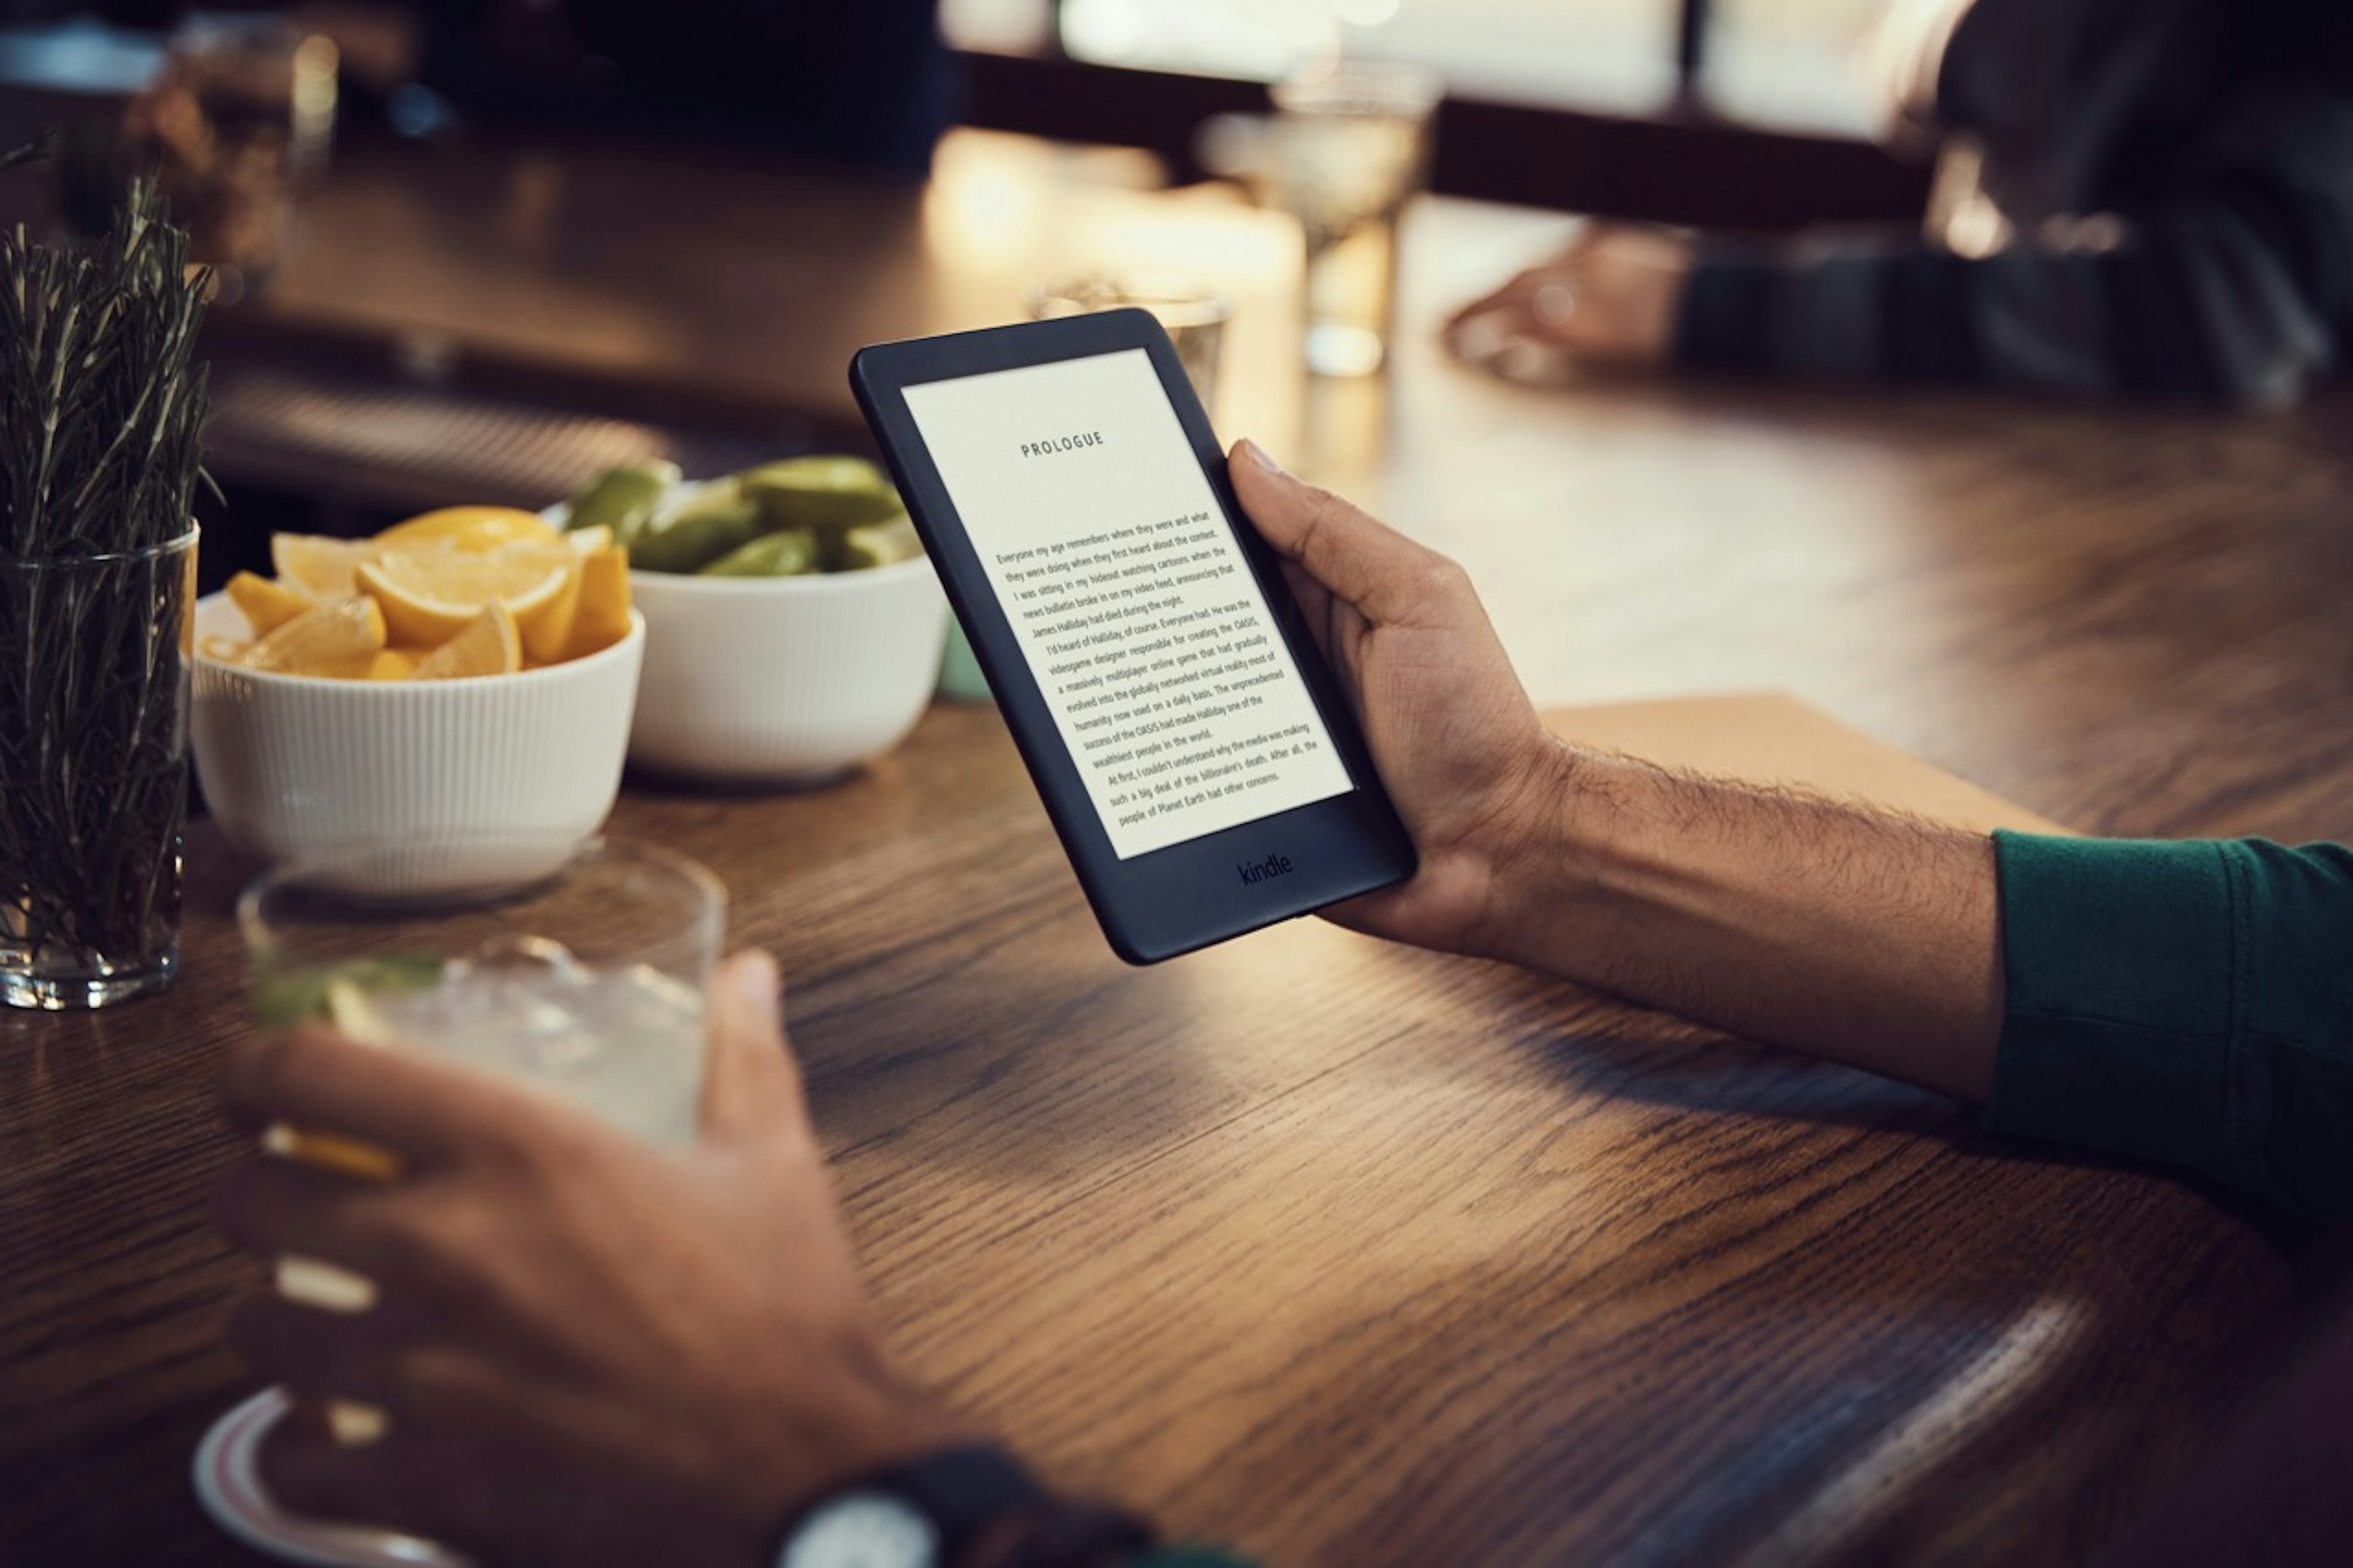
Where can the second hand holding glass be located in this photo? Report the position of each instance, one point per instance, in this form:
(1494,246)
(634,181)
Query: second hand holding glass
(588,983)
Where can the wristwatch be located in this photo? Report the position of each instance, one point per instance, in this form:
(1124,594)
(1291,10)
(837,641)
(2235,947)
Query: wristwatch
(920,1514)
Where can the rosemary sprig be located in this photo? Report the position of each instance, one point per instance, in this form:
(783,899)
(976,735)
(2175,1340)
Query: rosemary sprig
(102,404)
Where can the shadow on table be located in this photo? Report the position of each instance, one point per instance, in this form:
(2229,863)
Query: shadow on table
(1666,1062)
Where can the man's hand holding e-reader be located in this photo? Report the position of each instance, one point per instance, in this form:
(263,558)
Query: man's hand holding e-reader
(1202,769)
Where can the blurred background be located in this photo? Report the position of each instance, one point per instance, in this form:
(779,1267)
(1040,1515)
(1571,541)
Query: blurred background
(479,250)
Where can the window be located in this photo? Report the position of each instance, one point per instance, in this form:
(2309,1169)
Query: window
(1795,65)
(1781,63)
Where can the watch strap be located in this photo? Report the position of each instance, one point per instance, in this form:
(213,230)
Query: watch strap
(1077,1535)
(962,1490)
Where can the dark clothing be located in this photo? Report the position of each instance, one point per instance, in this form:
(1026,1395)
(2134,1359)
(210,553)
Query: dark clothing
(2189,1003)
(2209,142)
(867,82)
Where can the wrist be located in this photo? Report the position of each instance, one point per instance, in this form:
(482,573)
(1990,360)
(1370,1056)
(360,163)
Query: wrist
(1053,1531)
(1529,850)
(966,1504)
(875,1428)
(1559,880)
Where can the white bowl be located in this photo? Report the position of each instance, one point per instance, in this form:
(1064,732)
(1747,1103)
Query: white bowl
(784,679)
(301,768)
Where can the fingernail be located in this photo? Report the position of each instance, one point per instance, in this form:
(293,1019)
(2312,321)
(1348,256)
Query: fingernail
(753,977)
(1256,454)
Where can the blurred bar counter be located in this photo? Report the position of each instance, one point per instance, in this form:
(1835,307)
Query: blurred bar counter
(712,297)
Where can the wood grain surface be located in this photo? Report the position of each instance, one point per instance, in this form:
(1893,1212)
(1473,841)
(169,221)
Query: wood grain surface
(1343,1253)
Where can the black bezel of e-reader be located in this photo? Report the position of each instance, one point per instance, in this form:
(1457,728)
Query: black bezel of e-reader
(1187,895)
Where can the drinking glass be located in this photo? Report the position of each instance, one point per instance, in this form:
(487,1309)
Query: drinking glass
(586,984)
(1194,316)
(93,772)
(1350,144)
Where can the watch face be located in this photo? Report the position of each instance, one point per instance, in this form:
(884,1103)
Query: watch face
(863,1529)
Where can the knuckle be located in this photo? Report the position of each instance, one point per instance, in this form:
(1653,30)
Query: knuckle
(440,1388)
(1320,509)
(1321,504)
(541,1152)
(377,1228)
(453,1256)
(422,1383)
(498,1148)
(517,1142)
(1441,578)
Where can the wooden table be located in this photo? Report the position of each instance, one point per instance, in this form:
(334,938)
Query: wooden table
(1349,1253)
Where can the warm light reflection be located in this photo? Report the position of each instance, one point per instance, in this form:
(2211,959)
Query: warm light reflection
(982,213)
(2011,1370)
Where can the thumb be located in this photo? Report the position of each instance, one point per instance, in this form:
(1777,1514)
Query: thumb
(751,1082)
(1359,558)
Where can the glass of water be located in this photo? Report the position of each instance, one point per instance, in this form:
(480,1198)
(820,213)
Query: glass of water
(1193,314)
(586,983)
(1349,146)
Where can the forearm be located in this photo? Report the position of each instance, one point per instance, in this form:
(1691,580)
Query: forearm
(2227,287)
(1857,935)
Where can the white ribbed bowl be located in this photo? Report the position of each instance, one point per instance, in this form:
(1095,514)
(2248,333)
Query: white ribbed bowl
(298,768)
(784,679)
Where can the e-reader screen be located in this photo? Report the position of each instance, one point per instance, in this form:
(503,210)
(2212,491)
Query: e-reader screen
(1159,660)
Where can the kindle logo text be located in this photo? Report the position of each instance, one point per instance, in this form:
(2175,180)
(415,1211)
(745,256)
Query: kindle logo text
(1259,870)
(1061,444)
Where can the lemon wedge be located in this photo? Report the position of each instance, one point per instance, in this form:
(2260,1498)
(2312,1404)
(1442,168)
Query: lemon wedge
(429,597)
(478,528)
(601,618)
(340,638)
(317,565)
(490,644)
(268,604)
(395,663)
(548,632)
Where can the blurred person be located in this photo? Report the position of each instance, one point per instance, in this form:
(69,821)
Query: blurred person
(868,83)
(2131,197)
(2187,1003)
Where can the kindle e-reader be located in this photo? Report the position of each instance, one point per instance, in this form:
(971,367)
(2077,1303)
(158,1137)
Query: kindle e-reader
(1193,752)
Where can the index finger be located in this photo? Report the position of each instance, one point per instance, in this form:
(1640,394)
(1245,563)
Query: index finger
(419,1109)
(1519,289)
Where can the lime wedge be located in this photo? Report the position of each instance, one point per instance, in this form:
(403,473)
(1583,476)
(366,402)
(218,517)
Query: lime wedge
(301,995)
(879,545)
(789,553)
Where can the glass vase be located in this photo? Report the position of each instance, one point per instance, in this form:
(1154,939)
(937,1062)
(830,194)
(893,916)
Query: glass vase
(94,658)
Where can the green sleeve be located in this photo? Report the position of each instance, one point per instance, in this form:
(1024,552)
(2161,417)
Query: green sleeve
(2188,1002)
